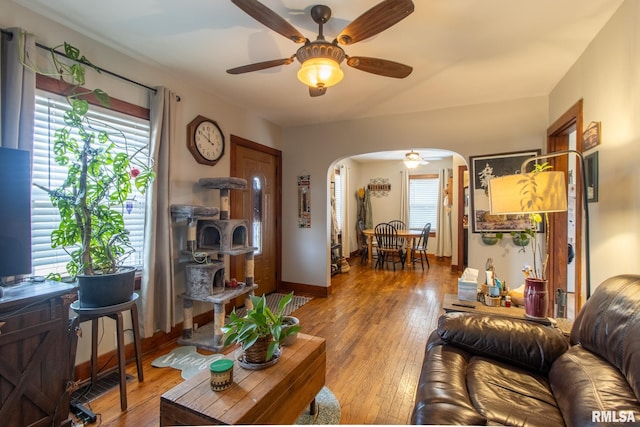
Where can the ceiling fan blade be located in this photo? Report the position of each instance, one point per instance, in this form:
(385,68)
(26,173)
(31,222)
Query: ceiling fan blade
(378,66)
(317,91)
(260,66)
(268,17)
(375,20)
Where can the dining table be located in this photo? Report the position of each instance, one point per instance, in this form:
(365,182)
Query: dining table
(408,234)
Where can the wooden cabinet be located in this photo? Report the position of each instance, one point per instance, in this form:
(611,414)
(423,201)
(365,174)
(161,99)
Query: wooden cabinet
(37,354)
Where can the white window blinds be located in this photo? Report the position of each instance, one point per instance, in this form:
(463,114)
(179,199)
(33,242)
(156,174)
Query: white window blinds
(49,112)
(423,200)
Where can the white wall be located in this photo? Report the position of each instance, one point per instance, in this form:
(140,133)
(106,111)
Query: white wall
(185,172)
(471,130)
(607,78)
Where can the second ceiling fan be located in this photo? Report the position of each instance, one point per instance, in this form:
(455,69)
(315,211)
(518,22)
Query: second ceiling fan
(320,60)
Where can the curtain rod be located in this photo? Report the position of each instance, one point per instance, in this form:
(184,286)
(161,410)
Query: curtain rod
(111,73)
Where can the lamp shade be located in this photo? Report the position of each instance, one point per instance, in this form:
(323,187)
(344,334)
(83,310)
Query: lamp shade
(320,72)
(528,193)
(412,160)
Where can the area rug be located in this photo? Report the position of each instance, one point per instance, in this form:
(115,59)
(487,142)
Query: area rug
(274,299)
(328,410)
(187,359)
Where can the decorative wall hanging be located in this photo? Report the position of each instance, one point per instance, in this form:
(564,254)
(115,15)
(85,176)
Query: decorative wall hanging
(591,170)
(304,201)
(379,187)
(591,136)
(483,169)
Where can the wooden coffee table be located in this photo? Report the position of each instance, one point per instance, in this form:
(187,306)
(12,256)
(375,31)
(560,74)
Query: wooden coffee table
(276,395)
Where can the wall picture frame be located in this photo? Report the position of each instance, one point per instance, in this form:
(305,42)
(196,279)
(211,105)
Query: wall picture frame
(591,136)
(484,168)
(304,201)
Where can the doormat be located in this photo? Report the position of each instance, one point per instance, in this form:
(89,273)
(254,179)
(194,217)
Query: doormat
(187,359)
(274,299)
(327,410)
(89,392)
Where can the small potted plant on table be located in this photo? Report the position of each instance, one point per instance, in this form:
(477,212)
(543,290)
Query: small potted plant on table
(260,332)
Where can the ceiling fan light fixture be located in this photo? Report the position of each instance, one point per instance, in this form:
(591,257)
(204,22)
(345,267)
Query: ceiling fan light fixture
(412,160)
(317,72)
(320,64)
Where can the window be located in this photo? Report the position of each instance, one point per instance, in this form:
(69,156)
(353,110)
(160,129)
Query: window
(256,216)
(423,200)
(46,173)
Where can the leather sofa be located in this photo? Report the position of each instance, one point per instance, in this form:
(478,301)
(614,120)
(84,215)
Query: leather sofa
(489,370)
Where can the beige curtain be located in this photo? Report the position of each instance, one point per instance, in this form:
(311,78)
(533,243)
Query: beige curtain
(157,305)
(404,197)
(443,232)
(346,230)
(18,89)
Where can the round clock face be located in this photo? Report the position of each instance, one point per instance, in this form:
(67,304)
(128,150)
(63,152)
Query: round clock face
(206,140)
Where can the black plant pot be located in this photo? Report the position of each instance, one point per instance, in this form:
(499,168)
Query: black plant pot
(106,289)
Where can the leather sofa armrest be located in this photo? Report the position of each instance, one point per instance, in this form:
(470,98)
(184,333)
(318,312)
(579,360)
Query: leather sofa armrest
(518,342)
(442,397)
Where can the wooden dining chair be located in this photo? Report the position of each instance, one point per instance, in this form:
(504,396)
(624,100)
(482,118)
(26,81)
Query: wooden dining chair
(400,225)
(419,248)
(389,247)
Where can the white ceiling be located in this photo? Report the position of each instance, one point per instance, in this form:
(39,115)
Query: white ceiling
(462,51)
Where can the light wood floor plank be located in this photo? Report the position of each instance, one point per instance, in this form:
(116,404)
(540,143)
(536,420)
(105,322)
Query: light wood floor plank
(376,324)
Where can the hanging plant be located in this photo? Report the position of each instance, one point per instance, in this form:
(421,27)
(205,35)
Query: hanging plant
(491,239)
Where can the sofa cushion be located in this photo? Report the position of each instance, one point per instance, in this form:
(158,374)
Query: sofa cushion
(510,396)
(442,396)
(584,382)
(609,326)
(518,342)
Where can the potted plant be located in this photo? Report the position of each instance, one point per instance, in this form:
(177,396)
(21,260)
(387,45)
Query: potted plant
(536,293)
(491,238)
(522,238)
(287,323)
(260,332)
(101,173)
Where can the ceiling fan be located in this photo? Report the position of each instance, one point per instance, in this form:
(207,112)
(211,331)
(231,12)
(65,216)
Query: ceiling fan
(321,59)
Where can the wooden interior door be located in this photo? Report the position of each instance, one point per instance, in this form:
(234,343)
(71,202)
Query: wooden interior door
(559,139)
(260,204)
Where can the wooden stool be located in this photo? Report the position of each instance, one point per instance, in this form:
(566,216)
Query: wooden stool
(114,312)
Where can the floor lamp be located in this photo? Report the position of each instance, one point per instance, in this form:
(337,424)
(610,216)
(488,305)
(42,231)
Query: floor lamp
(507,196)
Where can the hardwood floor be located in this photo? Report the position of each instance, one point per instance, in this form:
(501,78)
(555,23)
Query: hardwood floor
(376,324)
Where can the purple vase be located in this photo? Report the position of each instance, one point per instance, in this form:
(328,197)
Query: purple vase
(536,298)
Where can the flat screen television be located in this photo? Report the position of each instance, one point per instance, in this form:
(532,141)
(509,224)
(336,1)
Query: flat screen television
(15,212)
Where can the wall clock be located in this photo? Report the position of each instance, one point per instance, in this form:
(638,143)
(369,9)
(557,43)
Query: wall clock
(205,140)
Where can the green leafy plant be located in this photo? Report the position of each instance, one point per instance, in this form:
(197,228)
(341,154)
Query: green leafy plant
(530,191)
(101,172)
(259,322)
